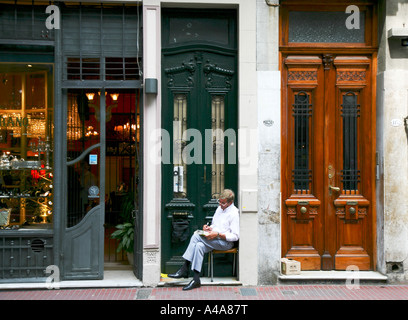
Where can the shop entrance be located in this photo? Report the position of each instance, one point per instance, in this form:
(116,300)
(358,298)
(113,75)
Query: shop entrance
(121,177)
(102,175)
(100,72)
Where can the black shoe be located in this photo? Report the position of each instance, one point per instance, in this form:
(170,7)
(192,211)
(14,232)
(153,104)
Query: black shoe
(179,274)
(192,285)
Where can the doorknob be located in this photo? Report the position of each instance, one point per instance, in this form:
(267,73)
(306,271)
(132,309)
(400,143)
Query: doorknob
(334,188)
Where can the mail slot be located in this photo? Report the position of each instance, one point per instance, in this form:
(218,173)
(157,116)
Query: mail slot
(180,214)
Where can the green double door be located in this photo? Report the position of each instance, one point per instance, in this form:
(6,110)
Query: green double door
(199,118)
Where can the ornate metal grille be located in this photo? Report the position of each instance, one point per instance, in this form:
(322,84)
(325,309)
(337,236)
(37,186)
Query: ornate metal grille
(350,114)
(218,127)
(302,113)
(179,128)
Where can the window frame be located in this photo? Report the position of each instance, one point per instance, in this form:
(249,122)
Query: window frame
(289,6)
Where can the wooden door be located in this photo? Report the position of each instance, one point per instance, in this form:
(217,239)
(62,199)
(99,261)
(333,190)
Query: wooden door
(328,158)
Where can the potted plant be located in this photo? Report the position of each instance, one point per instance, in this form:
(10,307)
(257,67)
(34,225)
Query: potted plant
(125,235)
(126,230)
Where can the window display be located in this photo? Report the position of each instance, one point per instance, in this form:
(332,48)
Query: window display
(26,148)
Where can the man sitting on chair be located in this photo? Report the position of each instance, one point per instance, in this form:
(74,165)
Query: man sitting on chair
(220,235)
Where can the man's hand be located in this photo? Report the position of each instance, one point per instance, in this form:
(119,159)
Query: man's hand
(212,235)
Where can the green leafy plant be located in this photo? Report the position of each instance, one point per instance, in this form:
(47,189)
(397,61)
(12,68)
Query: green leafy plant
(125,231)
(127,207)
(125,235)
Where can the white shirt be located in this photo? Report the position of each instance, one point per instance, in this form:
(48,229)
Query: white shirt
(227,222)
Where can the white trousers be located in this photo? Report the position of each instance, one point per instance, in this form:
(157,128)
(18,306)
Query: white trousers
(199,246)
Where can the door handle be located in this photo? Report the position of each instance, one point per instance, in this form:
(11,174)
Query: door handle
(334,188)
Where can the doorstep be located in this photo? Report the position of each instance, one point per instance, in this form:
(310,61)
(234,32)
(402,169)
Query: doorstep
(205,281)
(112,279)
(333,276)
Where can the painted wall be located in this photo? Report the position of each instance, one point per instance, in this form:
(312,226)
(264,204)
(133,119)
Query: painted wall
(269,79)
(392,143)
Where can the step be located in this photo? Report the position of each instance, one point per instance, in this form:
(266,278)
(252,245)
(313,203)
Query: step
(205,281)
(333,276)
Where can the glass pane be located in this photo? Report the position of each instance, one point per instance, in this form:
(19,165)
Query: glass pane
(302,112)
(185,29)
(218,127)
(350,113)
(83,128)
(179,127)
(121,164)
(312,27)
(26,146)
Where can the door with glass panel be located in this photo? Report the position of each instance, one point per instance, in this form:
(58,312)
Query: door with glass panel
(85,154)
(199,118)
(328,159)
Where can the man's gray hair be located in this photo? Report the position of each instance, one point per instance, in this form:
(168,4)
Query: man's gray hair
(228,194)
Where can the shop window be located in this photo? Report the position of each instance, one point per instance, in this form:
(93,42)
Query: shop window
(26,146)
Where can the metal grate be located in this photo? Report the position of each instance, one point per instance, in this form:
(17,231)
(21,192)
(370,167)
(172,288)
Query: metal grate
(143,294)
(118,68)
(218,128)
(25,257)
(302,112)
(89,68)
(179,127)
(101,43)
(83,68)
(350,113)
(248,292)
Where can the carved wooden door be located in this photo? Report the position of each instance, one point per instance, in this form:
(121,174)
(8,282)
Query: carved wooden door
(328,161)
(199,114)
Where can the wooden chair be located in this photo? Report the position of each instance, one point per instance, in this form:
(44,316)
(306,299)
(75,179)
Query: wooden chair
(233,250)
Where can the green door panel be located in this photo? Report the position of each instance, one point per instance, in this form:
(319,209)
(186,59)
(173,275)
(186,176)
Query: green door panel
(199,111)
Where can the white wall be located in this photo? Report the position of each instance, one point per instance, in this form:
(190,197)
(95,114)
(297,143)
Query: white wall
(392,144)
(269,147)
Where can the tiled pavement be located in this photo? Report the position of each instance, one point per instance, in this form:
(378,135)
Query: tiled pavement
(278,292)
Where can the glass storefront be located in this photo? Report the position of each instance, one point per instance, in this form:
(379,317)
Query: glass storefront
(69,133)
(26,145)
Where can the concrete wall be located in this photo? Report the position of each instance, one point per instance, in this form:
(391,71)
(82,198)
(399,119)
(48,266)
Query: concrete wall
(392,108)
(269,228)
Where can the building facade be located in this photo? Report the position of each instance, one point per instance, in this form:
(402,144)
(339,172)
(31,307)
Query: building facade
(157,105)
